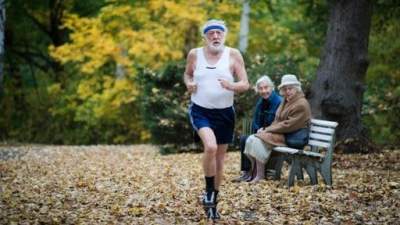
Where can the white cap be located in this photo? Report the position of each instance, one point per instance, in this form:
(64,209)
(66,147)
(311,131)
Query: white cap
(289,79)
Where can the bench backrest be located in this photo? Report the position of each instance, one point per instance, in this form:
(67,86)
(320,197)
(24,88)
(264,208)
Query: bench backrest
(322,133)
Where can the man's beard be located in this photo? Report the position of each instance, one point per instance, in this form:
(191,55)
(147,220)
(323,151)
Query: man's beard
(216,48)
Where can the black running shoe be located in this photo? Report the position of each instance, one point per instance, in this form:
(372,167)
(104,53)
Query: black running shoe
(213,214)
(209,200)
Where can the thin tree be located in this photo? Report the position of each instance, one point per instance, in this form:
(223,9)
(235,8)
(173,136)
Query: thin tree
(337,92)
(244,26)
(2,24)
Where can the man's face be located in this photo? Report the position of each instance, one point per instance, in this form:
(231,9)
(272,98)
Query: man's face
(264,90)
(215,39)
(289,91)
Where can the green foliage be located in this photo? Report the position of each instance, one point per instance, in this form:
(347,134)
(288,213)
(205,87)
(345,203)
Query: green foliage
(95,119)
(273,65)
(382,98)
(164,102)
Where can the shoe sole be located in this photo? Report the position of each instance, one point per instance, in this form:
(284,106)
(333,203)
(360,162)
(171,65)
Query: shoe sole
(212,215)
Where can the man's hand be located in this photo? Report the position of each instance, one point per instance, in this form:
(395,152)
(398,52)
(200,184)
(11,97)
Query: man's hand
(226,84)
(191,86)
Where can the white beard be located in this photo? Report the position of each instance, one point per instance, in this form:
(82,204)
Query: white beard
(216,48)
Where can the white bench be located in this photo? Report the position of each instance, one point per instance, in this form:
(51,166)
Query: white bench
(319,158)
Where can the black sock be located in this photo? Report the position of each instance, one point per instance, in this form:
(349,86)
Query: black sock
(210,184)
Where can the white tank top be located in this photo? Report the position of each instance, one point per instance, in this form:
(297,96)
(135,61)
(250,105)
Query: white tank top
(210,94)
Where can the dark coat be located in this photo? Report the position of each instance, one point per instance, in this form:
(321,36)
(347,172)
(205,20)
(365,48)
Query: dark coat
(265,111)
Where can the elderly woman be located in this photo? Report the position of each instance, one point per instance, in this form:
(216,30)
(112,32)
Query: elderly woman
(264,115)
(293,115)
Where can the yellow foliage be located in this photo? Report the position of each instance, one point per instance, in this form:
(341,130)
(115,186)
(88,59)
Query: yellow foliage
(152,33)
(54,89)
(106,50)
(145,135)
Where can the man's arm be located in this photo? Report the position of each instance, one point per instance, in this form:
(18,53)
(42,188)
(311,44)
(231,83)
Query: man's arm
(189,69)
(238,68)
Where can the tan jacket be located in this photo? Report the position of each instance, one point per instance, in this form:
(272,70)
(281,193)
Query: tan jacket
(290,116)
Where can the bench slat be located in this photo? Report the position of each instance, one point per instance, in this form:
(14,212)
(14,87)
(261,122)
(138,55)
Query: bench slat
(286,150)
(322,137)
(313,154)
(319,143)
(324,123)
(324,130)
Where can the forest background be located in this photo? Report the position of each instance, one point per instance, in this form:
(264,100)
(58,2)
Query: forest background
(110,72)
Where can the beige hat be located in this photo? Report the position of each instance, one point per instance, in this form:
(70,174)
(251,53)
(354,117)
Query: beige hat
(289,79)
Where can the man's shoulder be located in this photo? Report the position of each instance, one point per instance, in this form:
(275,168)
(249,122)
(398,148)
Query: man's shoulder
(234,51)
(192,53)
(235,55)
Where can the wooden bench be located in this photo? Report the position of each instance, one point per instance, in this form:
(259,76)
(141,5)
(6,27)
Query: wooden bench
(319,156)
(317,159)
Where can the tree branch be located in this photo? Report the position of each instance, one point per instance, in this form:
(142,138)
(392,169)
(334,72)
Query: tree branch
(33,57)
(41,26)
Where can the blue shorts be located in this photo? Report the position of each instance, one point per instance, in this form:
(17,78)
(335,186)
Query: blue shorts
(221,121)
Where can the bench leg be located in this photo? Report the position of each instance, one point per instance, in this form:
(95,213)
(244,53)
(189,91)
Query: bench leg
(299,172)
(270,166)
(273,168)
(294,168)
(326,173)
(311,171)
(278,166)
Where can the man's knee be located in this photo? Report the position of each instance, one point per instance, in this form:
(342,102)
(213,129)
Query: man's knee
(210,149)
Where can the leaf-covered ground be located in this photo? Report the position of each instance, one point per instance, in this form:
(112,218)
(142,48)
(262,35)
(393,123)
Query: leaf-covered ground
(137,185)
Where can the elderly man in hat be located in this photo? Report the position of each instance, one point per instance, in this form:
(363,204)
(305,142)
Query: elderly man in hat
(292,116)
(213,74)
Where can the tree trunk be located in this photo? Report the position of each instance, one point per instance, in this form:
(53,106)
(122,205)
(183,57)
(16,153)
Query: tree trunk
(191,38)
(120,70)
(337,92)
(2,25)
(244,26)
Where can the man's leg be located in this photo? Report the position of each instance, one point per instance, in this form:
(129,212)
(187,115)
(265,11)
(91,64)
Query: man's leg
(211,172)
(209,163)
(210,151)
(220,158)
(220,165)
